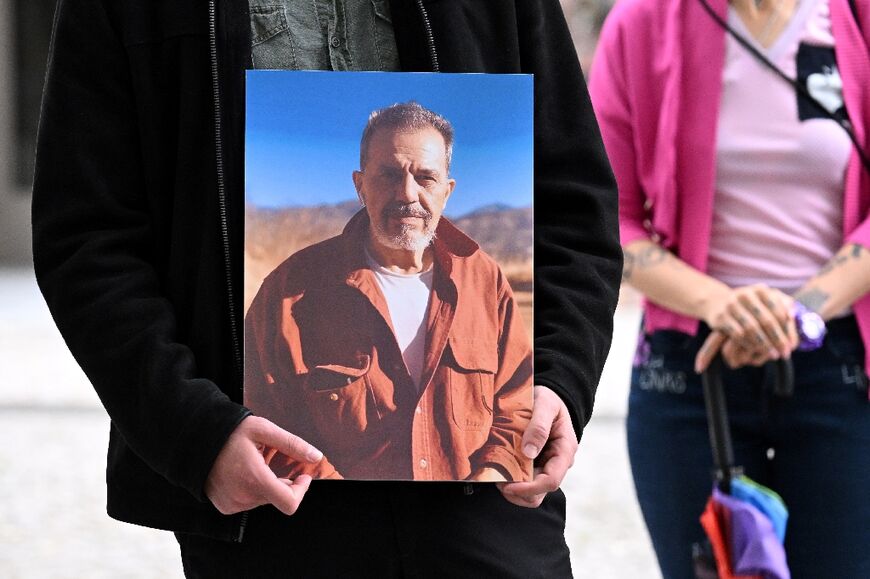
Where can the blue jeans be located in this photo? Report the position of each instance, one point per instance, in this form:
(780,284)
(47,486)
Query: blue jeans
(812,448)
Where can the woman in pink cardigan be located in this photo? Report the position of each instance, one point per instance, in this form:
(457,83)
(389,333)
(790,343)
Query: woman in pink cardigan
(743,202)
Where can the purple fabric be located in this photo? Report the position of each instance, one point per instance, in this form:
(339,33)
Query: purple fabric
(755,548)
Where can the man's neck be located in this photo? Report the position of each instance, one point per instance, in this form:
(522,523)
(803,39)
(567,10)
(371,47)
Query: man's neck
(400,260)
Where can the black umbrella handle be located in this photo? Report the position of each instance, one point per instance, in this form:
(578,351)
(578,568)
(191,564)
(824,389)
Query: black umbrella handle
(717,415)
(783,380)
(717,423)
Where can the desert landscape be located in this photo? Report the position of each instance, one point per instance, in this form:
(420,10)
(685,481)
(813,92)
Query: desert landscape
(272,235)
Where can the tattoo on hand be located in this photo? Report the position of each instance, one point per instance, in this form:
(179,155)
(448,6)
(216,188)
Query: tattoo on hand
(813,299)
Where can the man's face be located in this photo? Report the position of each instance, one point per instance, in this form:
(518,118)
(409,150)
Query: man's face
(404,186)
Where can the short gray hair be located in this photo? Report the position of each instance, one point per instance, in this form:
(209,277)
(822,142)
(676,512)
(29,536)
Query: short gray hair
(405,117)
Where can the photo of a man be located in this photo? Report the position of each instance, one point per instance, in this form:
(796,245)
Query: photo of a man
(397,347)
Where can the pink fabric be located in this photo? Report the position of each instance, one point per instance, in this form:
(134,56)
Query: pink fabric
(778,211)
(657,96)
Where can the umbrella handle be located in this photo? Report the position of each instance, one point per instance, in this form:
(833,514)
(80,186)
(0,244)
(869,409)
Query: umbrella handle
(717,423)
(783,381)
(717,415)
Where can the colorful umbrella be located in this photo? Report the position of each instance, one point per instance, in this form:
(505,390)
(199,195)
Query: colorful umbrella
(744,521)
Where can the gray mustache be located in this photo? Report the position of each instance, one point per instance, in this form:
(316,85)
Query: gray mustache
(398,210)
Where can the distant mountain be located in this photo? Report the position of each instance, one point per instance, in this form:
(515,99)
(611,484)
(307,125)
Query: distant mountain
(506,233)
(272,235)
(491,208)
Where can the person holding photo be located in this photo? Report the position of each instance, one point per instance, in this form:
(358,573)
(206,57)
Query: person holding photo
(741,158)
(138,214)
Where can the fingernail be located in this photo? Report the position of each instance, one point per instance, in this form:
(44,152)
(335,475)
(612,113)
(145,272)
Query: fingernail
(530,450)
(314,455)
(774,354)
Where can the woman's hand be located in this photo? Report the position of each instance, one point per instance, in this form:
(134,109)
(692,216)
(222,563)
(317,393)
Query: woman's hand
(757,319)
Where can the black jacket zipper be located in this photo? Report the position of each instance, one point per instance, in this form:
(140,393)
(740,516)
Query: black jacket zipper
(430,38)
(221,183)
(222,198)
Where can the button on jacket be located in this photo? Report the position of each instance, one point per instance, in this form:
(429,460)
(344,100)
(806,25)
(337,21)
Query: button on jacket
(138,216)
(321,360)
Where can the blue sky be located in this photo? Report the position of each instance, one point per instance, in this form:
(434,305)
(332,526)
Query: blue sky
(303,131)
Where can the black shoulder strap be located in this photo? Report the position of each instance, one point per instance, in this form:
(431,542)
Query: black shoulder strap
(798,86)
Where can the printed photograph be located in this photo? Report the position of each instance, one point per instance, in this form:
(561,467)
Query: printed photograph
(389,271)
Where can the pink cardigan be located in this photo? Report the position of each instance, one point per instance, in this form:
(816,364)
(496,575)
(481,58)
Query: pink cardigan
(655,84)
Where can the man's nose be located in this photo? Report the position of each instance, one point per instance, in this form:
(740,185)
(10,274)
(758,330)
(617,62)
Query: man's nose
(409,189)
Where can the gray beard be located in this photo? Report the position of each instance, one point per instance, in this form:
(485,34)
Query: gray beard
(407,239)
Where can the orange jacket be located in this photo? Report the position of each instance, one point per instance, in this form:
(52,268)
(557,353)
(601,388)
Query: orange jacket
(321,361)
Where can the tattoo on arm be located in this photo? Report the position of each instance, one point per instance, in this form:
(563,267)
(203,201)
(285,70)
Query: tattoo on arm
(854,251)
(627,265)
(651,256)
(813,299)
(646,257)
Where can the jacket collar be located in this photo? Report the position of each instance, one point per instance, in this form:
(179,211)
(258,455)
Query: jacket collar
(450,244)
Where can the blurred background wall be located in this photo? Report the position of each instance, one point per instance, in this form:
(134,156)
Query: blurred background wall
(25,27)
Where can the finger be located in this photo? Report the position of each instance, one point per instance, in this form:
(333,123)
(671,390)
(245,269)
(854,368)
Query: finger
(750,334)
(527,502)
(779,305)
(708,350)
(289,444)
(537,432)
(768,321)
(758,358)
(736,356)
(283,496)
(545,481)
(790,324)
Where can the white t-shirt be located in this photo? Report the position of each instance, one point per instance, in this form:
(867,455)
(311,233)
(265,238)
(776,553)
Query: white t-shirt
(407,298)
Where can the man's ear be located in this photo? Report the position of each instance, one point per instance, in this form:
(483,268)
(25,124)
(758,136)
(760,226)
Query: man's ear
(451,184)
(357,183)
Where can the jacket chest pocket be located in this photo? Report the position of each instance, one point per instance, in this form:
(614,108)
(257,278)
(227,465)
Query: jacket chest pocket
(341,404)
(471,371)
(271,44)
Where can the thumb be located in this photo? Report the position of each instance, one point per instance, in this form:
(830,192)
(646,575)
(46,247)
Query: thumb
(285,442)
(709,350)
(537,432)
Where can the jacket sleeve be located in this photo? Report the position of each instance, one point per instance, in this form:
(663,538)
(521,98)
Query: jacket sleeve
(512,394)
(578,260)
(93,252)
(610,98)
(272,384)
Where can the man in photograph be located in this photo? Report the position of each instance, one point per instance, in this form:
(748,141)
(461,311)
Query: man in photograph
(397,347)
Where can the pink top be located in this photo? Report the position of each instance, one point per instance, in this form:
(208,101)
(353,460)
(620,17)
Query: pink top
(778,208)
(657,101)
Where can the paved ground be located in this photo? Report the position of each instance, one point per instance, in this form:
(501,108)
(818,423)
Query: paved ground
(52,457)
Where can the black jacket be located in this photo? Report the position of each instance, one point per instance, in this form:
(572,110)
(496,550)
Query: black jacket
(138,219)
